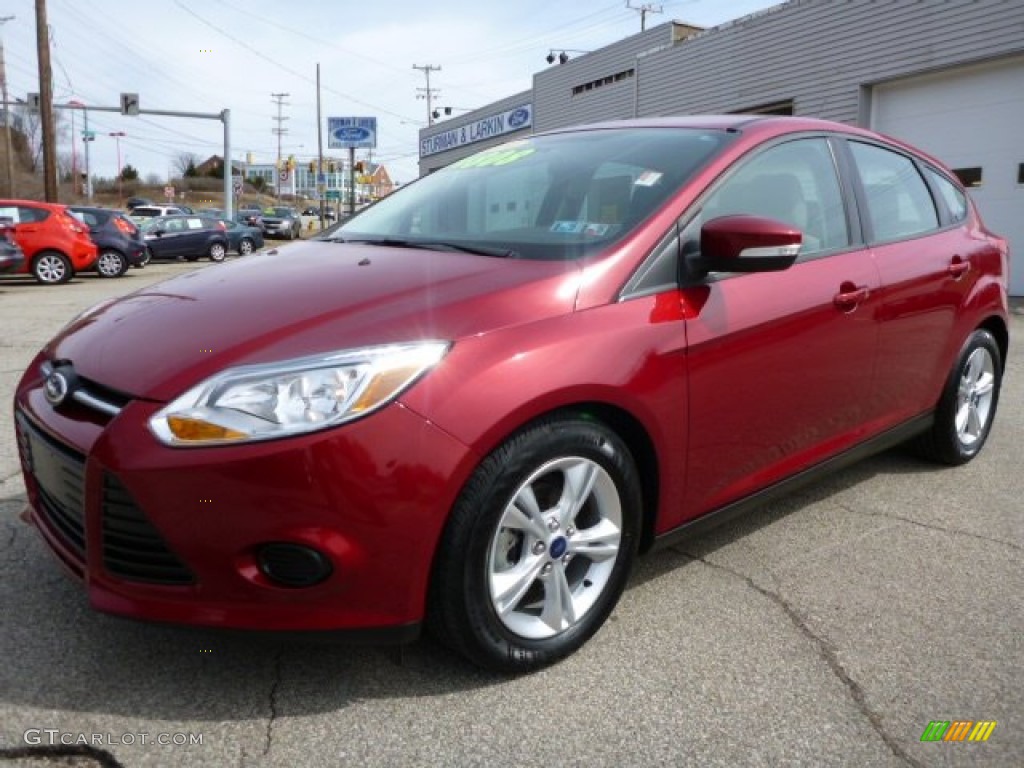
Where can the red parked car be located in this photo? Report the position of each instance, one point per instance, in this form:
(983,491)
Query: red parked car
(55,243)
(474,404)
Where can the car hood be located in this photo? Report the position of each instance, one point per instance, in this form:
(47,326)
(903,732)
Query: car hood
(304,299)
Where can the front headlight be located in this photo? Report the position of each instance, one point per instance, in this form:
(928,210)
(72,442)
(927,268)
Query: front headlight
(262,402)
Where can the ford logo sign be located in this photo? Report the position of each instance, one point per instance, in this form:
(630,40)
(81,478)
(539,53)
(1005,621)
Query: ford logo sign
(519,117)
(56,388)
(351,133)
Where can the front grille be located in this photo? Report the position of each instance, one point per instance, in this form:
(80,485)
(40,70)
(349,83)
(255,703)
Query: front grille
(59,475)
(132,548)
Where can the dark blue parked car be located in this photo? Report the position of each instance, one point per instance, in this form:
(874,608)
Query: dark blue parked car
(118,239)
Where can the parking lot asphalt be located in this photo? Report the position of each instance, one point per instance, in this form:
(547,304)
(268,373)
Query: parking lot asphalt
(825,629)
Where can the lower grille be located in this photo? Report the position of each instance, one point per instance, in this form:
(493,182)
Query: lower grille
(59,475)
(132,548)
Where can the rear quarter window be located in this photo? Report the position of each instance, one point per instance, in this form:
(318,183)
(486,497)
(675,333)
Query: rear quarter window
(952,196)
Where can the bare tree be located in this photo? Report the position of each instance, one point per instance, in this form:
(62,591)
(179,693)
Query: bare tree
(184,161)
(32,127)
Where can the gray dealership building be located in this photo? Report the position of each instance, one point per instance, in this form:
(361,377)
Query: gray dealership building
(944,75)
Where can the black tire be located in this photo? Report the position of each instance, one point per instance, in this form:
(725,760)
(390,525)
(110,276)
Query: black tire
(191,258)
(967,407)
(147,256)
(52,268)
(246,246)
(484,545)
(217,252)
(111,263)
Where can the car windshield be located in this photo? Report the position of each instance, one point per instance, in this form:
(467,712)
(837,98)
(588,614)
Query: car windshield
(561,196)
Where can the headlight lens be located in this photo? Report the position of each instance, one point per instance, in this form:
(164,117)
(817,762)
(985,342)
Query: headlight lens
(262,402)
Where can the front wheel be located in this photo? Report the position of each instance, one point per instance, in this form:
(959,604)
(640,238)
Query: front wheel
(51,268)
(539,546)
(217,252)
(968,404)
(111,264)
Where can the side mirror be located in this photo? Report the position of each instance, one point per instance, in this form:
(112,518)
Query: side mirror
(747,244)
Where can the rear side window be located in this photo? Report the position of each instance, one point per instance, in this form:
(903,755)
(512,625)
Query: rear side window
(898,201)
(28,215)
(956,200)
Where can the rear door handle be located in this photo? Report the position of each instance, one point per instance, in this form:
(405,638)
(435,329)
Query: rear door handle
(850,296)
(958,268)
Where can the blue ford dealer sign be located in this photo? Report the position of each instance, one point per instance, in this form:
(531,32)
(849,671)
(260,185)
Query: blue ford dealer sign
(354,132)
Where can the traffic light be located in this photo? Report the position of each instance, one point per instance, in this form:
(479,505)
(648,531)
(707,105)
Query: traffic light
(359,167)
(312,166)
(331,167)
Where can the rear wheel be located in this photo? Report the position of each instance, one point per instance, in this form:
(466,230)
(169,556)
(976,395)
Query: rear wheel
(51,268)
(968,404)
(217,252)
(111,264)
(538,548)
(246,246)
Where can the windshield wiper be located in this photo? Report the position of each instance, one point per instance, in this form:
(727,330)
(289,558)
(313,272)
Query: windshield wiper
(430,245)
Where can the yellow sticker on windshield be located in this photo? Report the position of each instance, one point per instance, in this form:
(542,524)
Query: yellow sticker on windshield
(502,156)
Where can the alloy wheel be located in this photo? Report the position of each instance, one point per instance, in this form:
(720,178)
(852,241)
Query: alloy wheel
(555,547)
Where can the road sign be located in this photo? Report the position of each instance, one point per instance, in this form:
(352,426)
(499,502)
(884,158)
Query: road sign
(169,192)
(283,175)
(236,184)
(129,103)
(334,194)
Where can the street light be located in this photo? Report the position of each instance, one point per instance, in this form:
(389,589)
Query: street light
(448,111)
(562,57)
(117,137)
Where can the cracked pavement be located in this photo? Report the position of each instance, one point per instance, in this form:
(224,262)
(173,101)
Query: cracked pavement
(824,629)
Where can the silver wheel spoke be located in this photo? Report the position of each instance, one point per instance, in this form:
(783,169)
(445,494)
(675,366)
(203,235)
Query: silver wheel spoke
(526,512)
(973,421)
(985,385)
(579,483)
(962,417)
(599,542)
(559,611)
(508,587)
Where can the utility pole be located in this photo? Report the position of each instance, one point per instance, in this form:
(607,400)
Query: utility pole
(279,130)
(643,10)
(427,93)
(319,149)
(46,104)
(9,189)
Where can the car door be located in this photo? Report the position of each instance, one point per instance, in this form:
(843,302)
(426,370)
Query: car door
(780,363)
(166,242)
(196,237)
(925,271)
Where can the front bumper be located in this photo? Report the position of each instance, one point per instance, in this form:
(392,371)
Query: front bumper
(175,534)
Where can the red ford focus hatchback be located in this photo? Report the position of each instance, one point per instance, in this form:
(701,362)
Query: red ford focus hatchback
(480,398)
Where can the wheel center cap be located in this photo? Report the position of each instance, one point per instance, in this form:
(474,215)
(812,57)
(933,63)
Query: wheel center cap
(558,547)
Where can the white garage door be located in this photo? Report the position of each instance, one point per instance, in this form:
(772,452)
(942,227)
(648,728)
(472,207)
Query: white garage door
(971,118)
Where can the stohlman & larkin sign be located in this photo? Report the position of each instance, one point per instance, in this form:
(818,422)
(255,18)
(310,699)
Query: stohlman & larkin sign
(484,128)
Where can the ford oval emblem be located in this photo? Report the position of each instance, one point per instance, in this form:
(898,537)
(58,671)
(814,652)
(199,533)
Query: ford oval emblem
(56,388)
(519,117)
(351,133)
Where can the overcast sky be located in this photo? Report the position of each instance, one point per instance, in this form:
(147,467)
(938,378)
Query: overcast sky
(208,55)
